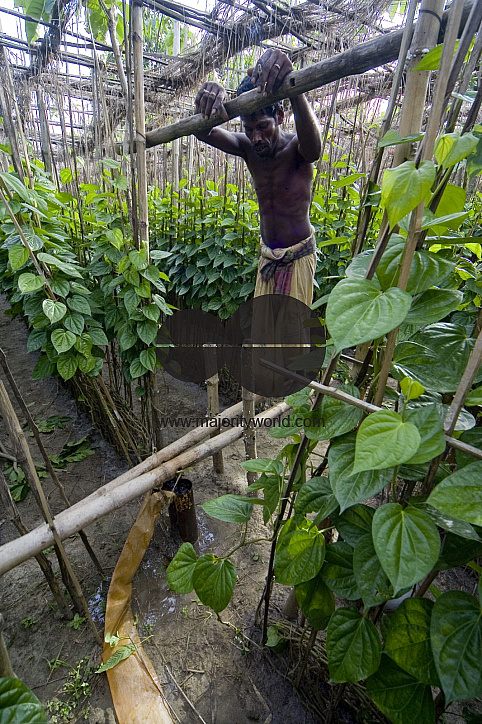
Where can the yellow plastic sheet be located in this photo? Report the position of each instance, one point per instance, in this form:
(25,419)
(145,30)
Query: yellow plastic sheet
(135,688)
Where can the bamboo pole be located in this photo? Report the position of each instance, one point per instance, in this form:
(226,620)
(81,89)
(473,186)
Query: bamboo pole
(5,663)
(337,394)
(11,509)
(212,389)
(249,412)
(33,427)
(359,59)
(16,433)
(103,501)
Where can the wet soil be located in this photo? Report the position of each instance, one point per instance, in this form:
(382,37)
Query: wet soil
(218,665)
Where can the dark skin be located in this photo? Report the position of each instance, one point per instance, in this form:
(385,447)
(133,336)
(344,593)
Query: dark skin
(280,163)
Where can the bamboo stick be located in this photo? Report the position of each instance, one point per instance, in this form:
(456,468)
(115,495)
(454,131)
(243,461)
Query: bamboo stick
(175,448)
(43,452)
(11,509)
(102,502)
(212,388)
(367,406)
(17,435)
(359,59)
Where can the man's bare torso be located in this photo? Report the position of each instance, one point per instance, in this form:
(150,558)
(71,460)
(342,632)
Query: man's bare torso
(283,186)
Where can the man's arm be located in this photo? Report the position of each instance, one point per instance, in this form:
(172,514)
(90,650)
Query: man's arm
(270,71)
(209,102)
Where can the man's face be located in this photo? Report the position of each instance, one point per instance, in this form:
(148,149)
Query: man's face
(262,131)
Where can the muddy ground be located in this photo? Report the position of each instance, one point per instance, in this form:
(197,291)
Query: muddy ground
(222,673)
(219,667)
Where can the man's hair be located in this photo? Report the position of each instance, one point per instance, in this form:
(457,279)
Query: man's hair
(247,85)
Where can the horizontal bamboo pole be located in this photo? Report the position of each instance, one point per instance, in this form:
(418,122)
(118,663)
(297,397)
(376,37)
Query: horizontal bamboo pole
(173,450)
(103,501)
(337,394)
(363,57)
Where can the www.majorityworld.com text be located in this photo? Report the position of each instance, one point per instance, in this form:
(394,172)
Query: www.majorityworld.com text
(241,421)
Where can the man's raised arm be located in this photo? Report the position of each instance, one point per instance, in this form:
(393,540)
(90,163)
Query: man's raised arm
(209,102)
(270,71)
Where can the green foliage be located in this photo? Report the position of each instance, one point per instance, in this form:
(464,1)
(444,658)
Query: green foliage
(407,543)
(358,311)
(18,705)
(353,646)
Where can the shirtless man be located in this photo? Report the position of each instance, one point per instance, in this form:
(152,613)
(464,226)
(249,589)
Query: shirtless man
(281,165)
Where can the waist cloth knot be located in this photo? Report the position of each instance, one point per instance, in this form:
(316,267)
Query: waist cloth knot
(278,263)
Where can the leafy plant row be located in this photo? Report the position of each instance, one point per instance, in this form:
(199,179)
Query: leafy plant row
(347,551)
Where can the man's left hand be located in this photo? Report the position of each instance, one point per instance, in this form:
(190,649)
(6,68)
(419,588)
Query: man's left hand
(270,71)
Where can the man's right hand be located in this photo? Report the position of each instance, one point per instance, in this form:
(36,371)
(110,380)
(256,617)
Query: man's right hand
(209,100)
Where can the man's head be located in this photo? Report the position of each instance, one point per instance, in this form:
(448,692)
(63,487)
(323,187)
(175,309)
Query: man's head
(261,127)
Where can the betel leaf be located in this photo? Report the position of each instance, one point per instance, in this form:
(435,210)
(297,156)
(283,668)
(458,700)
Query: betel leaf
(228,508)
(316,496)
(78,303)
(148,358)
(411,388)
(316,602)
(474,397)
(29,282)
(337,570)
(460,494)
(401,697)
(300,553)
(433,305)
(405,187)
(407,543)
(335,417)
(358,311)
(392,138)
(456,636)
(384,440)
(67,366)
(428,421)
(55,311)
(68,267)
(17,256)
(74,323)
(458,551)
(19,705)
(353,646)
(354,523)
(122,653)
(408,639)
(180,570)
(263,465)
(37,339)
(350,489)
(447,522)
(214,580)
(427,269)
(43,368)
(449,346)
(62,340)
(451,148)
(98,337)
(371,579)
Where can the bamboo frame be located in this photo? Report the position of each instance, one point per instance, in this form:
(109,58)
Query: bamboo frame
(109,498)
